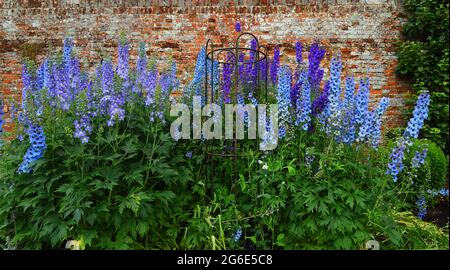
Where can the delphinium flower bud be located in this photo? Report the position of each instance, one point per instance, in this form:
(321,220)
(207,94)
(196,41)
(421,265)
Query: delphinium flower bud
(420,114)
(283,98)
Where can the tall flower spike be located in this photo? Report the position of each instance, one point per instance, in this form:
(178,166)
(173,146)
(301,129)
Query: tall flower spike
(420,114)
(298,52)
(304,106)
(36,149)
(274,66)
(362,102)
(122,59)
(283,98)
(315,73)
(333,123)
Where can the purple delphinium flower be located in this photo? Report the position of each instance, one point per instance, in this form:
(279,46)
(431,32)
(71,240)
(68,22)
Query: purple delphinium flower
(149,86)
(298,52)
(315,74)
(36,149)
(283,98)
(122,58)
(295,90)
(189,154)
(420,114)
(275,65)
(321,101)
(82,129)
(419,158)
(237,27)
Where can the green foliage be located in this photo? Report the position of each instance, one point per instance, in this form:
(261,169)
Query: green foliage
(424,57)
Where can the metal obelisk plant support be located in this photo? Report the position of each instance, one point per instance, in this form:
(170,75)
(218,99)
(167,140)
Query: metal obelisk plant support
(229,149)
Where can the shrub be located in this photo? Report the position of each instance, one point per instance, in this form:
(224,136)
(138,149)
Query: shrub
(93,162)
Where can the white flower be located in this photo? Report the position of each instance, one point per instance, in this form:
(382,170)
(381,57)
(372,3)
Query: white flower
(260,161)
(265,167)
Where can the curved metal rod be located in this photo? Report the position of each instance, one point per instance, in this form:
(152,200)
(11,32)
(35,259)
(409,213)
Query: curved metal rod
(220,50)
(245,34)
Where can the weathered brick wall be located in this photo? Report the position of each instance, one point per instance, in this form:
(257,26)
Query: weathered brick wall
(363,30)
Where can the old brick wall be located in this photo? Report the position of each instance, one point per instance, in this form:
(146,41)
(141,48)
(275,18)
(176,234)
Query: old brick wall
(363,30)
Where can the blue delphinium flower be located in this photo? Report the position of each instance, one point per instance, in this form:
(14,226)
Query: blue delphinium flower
(237,27)
(395,166)
(334,102)
(283,99)
(189,154)
(36,149)
(275,65)
(420,114)
(237,235)
(443,192)
(304,106)
(349,93)
(421,204)
(362,102)
(419,158)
